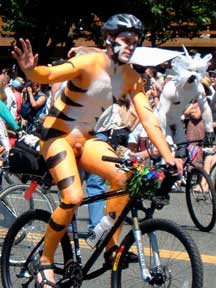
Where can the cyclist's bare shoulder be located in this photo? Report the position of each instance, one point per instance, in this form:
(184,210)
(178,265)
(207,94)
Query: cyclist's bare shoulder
(83,50)
(133,79)
(88,59)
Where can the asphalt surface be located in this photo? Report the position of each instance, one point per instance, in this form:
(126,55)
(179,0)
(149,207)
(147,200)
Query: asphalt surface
(176,211)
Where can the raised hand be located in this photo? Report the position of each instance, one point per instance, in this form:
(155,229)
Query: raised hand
(25,58)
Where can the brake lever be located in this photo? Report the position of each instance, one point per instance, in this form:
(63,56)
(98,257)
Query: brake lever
(123,167)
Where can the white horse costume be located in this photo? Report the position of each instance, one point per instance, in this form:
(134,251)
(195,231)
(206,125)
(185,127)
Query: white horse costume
(178,93)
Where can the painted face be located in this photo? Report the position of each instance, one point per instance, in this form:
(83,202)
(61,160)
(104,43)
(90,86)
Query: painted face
(125,44)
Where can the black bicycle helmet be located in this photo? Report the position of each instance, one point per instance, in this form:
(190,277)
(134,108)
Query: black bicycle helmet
(122,22)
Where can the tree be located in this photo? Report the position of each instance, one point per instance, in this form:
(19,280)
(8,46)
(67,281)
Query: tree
(62,23)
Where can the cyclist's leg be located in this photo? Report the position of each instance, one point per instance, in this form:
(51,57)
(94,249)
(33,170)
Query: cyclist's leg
(61,161)
(91,161)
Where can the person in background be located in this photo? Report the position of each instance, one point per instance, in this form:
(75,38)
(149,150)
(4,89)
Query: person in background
(17,86)
(6,122)
(195,130)
(211,159)
(67,138)
(37,100)
(152,83)
(10,97)
(178,93)
(212,98)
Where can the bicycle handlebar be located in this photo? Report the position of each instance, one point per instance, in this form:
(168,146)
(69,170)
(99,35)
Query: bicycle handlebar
(113,159)
(209,150)
(199,141)
(128,163)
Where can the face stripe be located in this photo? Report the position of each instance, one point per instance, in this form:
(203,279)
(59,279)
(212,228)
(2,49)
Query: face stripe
(69,102)
(66,206)
(55,226)
(60,115)
(48,133)
(72,87)
(53,161)
(66,182)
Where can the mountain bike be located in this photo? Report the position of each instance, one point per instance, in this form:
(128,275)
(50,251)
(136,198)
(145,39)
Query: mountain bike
(199,190)
(167,255)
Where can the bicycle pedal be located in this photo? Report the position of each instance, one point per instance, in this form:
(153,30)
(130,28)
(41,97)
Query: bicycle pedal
(160,201)
(23,274)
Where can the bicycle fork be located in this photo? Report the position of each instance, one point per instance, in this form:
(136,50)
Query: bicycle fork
(145,273)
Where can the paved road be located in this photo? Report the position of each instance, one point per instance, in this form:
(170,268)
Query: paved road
(177,211)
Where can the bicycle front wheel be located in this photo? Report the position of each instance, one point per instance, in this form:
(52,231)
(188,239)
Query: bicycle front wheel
(180,263)
(213,175)
(201,199)
(32,226)
(13,204)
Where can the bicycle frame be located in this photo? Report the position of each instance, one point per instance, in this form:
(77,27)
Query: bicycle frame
(133,205)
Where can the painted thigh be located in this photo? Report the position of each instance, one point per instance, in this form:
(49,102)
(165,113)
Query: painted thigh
(61,161)
(91,161)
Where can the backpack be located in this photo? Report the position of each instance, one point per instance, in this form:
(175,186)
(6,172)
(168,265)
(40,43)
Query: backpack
(119,137)
(26,160)
(27,112)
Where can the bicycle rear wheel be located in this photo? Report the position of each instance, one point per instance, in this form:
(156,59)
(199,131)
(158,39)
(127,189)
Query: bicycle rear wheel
(201,199)
(13,204)
(180,262)
(32,226)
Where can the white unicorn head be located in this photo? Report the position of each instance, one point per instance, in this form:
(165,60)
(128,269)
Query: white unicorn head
(189,69)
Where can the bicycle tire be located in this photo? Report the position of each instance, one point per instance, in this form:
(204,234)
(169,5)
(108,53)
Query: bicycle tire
(213,175)
(202,204)
(14,203)
(178,272)
(34,223)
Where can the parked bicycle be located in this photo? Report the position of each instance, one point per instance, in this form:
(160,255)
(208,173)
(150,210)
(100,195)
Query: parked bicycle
(167,256)
(15,199)
(199,190)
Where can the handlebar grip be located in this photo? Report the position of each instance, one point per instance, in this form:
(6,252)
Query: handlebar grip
(112,159)
(169,169)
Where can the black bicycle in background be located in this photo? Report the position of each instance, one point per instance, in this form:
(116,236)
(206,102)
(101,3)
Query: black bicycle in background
(199,189)
(167,255)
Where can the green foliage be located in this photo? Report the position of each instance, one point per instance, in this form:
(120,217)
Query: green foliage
(63,22)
